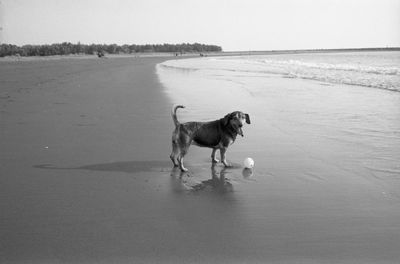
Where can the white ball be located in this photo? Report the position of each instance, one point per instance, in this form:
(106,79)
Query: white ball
(248,163)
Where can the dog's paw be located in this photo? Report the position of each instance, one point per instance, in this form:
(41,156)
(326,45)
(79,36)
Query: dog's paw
(215,160)
(227,164)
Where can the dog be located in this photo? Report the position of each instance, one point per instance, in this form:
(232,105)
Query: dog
(217,134)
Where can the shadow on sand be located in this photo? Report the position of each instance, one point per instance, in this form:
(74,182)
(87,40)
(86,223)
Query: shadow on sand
(121,166)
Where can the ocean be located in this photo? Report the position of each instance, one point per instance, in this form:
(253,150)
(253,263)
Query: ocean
(341,109)
(379,69)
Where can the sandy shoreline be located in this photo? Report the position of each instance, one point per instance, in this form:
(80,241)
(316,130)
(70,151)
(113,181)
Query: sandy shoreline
(95,57)
(85,178)
(191,54)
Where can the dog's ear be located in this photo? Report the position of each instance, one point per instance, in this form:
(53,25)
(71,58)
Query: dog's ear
(226,119)
(247,118)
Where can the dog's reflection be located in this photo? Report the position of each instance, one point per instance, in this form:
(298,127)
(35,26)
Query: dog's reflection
(218,182)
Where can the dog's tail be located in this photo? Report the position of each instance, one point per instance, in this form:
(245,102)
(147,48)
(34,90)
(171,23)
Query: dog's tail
(173,113)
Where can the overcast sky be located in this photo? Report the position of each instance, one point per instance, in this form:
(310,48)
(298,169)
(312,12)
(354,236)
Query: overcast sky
(232,24)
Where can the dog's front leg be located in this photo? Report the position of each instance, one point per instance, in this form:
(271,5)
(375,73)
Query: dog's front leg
(223,157)
(213,158)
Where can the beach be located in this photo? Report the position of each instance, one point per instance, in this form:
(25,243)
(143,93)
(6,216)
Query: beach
(85,174)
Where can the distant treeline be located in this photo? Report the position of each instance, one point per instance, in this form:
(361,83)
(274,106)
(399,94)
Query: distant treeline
(67,48)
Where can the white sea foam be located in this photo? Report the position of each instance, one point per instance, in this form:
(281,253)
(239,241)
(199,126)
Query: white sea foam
(340,66)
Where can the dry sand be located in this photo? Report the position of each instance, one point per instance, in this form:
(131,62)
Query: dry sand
(85,178)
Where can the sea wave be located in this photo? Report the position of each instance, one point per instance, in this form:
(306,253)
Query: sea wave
(342,67)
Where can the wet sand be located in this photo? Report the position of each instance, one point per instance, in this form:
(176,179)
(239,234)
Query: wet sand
(85,175)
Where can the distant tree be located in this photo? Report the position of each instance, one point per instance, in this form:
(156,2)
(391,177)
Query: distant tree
(112,49)
(90,49)
(67,48)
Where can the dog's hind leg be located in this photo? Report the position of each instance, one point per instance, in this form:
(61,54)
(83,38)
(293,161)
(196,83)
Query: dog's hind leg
(174,153)
(175,147)
(180,160)
(182,152)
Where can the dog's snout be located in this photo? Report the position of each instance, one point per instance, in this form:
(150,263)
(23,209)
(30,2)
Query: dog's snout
(240,125)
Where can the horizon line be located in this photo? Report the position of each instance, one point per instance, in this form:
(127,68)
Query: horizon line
(208,44)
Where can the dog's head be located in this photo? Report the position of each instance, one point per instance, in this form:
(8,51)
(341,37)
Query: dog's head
(236,120)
